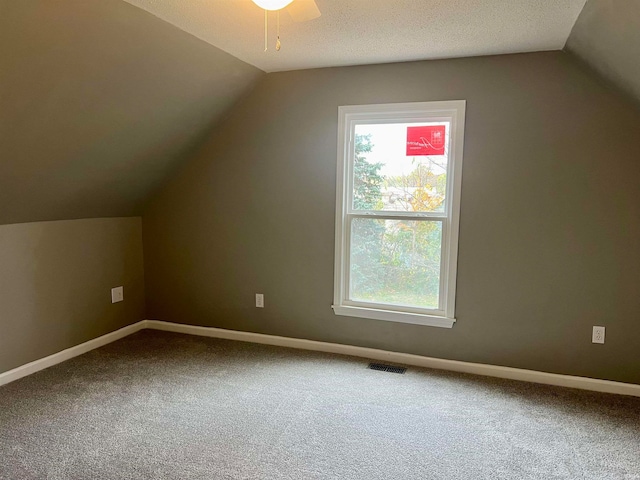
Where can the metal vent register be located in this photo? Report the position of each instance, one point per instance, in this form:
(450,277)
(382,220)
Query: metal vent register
(382,367)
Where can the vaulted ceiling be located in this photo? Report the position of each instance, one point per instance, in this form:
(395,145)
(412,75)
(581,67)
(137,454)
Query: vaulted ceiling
(607,37)
(100,101)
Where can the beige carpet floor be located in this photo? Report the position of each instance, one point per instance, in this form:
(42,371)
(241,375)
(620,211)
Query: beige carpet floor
(158,405)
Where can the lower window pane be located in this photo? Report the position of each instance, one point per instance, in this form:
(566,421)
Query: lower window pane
(396,262)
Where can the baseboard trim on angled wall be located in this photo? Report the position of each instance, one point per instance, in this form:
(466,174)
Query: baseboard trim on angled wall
(583,383)
(69,353)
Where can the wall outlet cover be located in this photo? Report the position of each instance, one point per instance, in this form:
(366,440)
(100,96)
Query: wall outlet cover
(117,294)
(598,335)
(259,300)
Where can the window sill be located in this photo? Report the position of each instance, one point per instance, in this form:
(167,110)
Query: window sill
(401,317)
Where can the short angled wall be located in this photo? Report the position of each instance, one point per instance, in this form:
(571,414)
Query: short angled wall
(569,381)
(56,280)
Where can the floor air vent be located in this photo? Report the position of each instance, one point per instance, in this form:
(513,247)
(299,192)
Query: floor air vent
(387,368)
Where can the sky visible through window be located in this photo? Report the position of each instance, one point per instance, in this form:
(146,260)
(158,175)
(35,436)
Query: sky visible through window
(389,142)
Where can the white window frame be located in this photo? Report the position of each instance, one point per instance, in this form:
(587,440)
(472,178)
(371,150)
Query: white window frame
(348,118)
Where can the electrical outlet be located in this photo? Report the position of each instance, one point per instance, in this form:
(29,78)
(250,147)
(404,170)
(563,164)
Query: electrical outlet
(117,294)
(598,335)
(259,300)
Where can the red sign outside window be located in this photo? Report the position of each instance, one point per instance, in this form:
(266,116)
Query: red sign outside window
(425,140)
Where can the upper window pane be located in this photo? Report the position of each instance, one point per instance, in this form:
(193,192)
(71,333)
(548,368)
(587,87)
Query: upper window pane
(400,166)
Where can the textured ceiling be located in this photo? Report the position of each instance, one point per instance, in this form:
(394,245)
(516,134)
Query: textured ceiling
(607,37)
(100,101)
(352,32)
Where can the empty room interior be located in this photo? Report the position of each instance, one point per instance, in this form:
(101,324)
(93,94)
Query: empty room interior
(320,239)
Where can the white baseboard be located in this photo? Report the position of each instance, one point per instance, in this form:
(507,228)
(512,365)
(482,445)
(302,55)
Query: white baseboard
(69,353)
(533,376)
(583,383)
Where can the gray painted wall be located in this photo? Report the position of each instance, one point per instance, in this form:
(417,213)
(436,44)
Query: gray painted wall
(549,223)
(100,101)
(607,37)
(56,280)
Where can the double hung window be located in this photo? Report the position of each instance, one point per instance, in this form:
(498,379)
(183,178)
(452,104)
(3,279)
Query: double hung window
(398,205)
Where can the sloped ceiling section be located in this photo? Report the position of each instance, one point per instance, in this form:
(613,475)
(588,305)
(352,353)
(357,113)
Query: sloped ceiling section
(99,102)
(607,37)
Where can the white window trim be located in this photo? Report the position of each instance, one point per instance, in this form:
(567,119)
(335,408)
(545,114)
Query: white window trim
(348,117)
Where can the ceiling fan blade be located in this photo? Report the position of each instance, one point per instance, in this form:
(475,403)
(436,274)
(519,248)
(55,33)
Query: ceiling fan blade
(303,10)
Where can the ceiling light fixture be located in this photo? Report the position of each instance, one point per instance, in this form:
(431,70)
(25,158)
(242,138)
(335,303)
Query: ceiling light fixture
(300,11)
(272,4)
